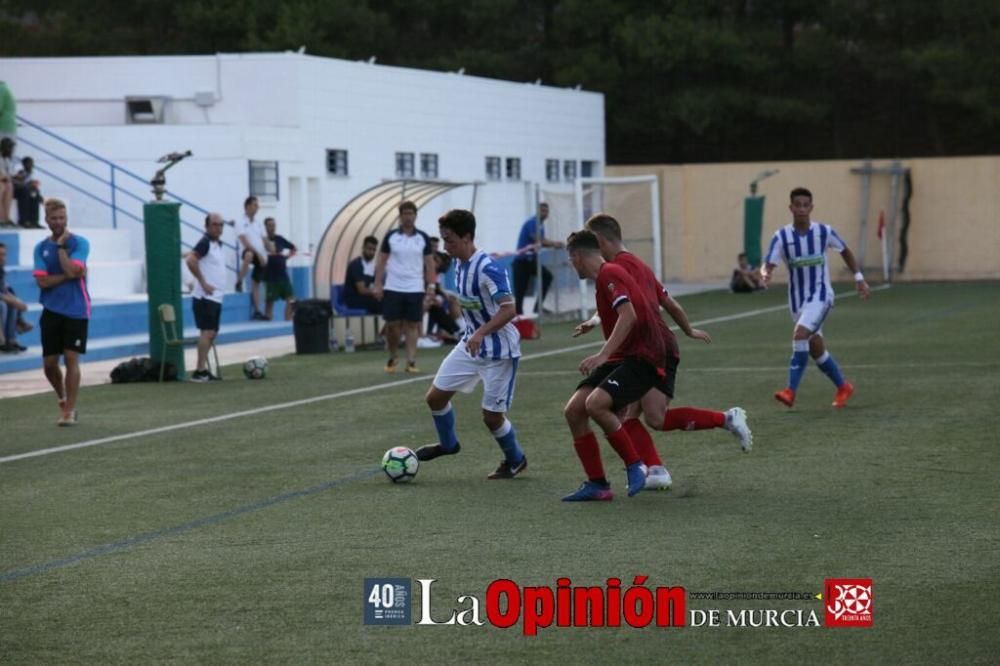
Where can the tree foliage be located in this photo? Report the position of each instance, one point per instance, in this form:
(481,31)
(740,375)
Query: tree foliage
(684,80)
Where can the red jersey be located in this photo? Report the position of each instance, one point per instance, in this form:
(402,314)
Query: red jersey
(652,288)
(645,340)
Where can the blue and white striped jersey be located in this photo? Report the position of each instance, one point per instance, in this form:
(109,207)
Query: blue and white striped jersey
(805,256)
(481,283)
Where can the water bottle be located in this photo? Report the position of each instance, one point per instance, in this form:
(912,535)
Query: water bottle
(349,341)
(334,346)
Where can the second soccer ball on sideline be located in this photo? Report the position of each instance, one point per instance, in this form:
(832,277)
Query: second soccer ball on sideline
(400,464)
(255,368)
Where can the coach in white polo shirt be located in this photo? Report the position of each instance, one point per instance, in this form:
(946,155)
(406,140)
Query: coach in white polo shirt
(208,266)
(404,279)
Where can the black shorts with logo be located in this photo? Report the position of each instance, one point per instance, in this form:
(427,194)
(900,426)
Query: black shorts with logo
(625,382)
(403,306)
(61,333)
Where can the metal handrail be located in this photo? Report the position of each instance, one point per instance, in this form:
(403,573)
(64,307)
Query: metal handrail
(112,183)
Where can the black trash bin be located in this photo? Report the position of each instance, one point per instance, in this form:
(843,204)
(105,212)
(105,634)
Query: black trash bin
(312,326)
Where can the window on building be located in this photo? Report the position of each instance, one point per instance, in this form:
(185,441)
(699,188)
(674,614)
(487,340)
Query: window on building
(552,171)
(569,170)
(336,161)
(588,169)
(428,165)
(492,168)
(404,165)
(513,168)
(264,180)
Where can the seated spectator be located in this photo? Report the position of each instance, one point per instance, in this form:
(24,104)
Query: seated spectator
(745,278)
(11,309)
(442,308)
(6,180)
(27,195)
(360,277)
(277,284)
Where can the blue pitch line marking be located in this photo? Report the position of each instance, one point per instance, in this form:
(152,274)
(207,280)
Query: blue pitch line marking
(149,537)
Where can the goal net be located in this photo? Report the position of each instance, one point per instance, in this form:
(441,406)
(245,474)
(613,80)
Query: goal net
(633,201)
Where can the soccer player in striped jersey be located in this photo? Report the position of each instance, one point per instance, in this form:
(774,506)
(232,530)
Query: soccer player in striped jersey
(489,349)
(656,406)
(802,245)
(629,364)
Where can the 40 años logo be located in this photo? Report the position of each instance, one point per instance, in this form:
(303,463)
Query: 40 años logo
(565,605)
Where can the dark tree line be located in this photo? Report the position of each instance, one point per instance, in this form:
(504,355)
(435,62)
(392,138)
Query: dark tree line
(684,80)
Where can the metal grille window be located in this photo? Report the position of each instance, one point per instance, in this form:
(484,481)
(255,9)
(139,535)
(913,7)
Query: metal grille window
(569,170)
(492,168)
(264,179)
(552,171)
(404,165)
(513,168)
(428,165)
(336,161)
(588,169)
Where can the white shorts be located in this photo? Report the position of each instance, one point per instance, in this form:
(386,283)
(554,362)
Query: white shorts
(812,315)
(461,372)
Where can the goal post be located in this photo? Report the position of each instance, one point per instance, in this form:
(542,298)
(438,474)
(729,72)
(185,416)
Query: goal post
(632,200)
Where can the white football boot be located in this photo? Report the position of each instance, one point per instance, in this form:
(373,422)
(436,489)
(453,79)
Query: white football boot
(736,423)
(658,478)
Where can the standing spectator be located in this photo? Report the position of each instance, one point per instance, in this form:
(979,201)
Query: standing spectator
(278,285)
(745,279)
(489,350)
(61,274)
(525,265)
(358,292)
(6,180)
(27,194)
(253,240)
(404,278)
(208,266)
(11,308)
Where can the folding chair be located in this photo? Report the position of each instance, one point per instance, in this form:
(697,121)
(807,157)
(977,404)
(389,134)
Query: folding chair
(168,326)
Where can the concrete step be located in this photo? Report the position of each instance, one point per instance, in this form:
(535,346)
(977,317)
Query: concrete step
(130,315)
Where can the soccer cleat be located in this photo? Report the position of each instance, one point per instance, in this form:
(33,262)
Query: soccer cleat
(432,451)
(636,475)
(390,366)
(412,369)
(658,478)
(67,419)
(508,471)
(201,376)
(736,423)
(786,397)
(591,491)
(843,395)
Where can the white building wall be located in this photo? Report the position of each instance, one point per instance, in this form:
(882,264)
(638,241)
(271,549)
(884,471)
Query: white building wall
(291,108)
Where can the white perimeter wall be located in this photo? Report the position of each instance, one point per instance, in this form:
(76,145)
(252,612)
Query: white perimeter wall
(292,108)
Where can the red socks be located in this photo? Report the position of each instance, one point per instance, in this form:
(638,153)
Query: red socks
(622,444)
(642,442)
(589,453)
(692,418)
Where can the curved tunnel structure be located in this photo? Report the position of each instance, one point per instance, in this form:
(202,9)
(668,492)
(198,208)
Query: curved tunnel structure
(373,212)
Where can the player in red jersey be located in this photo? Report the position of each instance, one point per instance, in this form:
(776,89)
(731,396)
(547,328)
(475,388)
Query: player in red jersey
(627,367)
(655,406)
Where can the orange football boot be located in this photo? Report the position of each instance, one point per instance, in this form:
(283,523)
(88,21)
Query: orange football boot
(785,396)
(843,395)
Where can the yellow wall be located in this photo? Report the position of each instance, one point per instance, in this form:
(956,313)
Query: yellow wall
(955,214)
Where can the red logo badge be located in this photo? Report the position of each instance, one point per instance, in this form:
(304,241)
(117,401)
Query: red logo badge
(848,602)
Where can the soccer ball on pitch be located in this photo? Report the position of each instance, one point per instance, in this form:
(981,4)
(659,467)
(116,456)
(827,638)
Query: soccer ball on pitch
(400,464)
(255,368)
